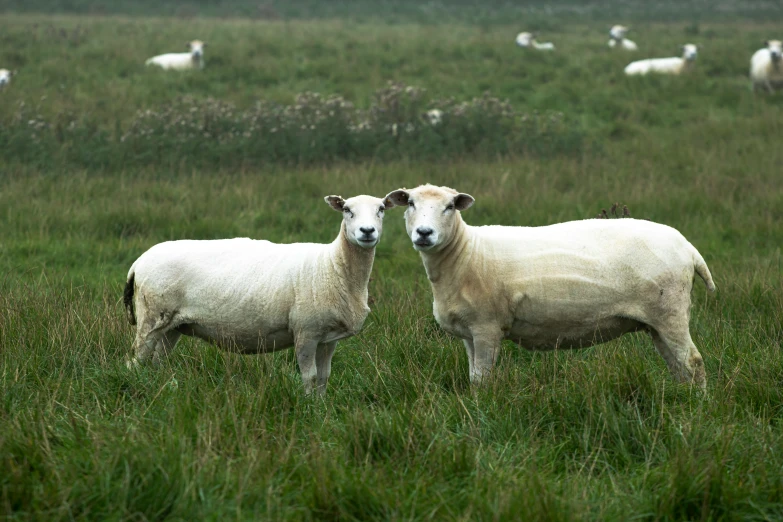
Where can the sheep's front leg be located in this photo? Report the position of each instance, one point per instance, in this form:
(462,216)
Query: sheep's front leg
(306,357)
(486,347)
(323,362)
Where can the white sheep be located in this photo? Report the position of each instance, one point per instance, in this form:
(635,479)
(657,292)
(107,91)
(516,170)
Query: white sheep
(765,67)
(433,116)
(181,61)
(675,65)
(5,77)
(254,296)
(617,38)
(568,285)
(529,40)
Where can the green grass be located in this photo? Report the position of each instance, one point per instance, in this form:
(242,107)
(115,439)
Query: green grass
(598,434)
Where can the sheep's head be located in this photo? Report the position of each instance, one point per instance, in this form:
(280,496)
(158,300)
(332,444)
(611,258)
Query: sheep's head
(775,49)
(196,48)
(362,218)
(432,214)
(5,77)
(525,39)
(618,32)
(433,116)
(689,51)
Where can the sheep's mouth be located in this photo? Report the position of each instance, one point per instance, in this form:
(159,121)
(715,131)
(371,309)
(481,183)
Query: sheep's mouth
(368,240)
(423,243)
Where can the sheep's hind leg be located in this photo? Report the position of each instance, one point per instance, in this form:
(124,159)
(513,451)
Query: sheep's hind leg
(306,350)
(681,356)
(150,333)
(323,363)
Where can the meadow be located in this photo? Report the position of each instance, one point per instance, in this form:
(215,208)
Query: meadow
(597,434)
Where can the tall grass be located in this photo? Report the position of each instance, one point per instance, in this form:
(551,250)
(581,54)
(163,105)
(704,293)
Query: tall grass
(598,434)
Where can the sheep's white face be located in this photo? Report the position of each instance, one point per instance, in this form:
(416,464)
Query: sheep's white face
(433,116)
(689,51)
(362,217)
(618,32)
(196,48)
(775,49)
(5,77)
(431,216)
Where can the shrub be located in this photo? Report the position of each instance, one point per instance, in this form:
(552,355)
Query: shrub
(206,132)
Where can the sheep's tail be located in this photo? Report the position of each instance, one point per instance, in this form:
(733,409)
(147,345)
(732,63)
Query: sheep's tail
(701,268)
(127,296)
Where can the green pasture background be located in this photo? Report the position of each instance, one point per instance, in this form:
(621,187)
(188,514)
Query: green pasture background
(598,434)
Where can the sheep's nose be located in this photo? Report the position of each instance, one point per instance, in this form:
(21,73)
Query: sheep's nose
(424,231)
(367,230)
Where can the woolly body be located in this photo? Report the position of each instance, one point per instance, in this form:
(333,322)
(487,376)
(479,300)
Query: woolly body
(673,65)
(529,40)
(624,43)
(194,59)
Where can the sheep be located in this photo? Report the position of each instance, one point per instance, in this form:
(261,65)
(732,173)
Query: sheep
(617,37)
(529,40)
(568,285)
(765,67)
(254,296)
(674,65)
(181,61)
(433,116)
(5,77)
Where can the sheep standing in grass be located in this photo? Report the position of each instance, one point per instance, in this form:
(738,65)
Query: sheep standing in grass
(617,38)
(254,296)
(529,40)
(569,285)
(194,59)
(5,77)
(675,65)
(766,71)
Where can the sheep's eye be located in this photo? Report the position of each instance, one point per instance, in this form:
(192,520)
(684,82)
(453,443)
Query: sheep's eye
(410,203)
(346,210)
(381,209)
(450,207)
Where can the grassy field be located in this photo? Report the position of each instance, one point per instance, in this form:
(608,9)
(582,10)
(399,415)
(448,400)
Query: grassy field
(598,434)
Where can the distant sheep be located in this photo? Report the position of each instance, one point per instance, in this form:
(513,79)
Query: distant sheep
(674,65)
(433,116)
(569,285)
(181,61)
(5,77)
(529,40)
(766,71)
(617,38)
(255,296)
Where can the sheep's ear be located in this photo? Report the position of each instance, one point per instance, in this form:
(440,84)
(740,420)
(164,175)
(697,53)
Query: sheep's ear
(336,202)
(397,198)
(463,201)
(766,43)
(187,46)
